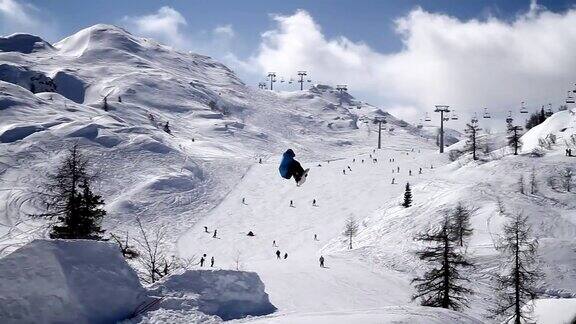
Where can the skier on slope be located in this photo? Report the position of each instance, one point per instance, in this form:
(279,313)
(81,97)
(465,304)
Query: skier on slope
(292,168)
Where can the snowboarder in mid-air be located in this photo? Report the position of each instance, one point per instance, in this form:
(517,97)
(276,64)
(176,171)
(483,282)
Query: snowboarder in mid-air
(291,168)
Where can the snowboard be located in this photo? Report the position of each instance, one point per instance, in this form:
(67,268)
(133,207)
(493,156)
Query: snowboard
(303,179)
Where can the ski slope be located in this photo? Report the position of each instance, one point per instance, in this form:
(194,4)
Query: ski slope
(298,283)
(376,273)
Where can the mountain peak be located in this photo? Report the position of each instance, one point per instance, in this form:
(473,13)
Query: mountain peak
(99,36)
(23,43)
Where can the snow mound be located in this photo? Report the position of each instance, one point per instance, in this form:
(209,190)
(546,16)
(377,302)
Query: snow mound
(561,125)
(555,311)
(225,293)
(79,281)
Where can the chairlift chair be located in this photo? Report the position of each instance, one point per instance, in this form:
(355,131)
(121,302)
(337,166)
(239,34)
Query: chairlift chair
(454,117)
(427,118)
(570,99)
(486,113)
(309,80)
(509,119)
(420,124)
(474,119)
(523,109)
(281,80)
(549,111)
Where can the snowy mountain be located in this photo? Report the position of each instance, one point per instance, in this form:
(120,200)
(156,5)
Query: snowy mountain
(113,93)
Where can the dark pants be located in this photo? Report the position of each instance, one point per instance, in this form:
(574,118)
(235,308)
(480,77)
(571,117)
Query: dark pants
(296,170)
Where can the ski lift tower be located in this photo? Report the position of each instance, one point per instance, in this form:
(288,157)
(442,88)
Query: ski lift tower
(379,121)
(442,109)
(301,74)
(272,76)
(341,88)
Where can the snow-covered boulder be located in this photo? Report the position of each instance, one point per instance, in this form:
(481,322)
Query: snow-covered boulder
(77,281)
(225,293)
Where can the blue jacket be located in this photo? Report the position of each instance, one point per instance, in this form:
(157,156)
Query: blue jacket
(287,159)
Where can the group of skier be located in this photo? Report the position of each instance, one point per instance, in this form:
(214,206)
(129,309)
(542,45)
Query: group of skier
(291,168)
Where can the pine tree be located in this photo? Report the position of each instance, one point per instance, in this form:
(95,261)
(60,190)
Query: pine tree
(105,104)
(350,230)
(69,199)
(514,138)
(472,140)
(407,196)
(442,285)
(516,282)
(461,218)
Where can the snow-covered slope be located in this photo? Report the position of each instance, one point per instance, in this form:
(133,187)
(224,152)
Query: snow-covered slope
(377,272)
(53,96)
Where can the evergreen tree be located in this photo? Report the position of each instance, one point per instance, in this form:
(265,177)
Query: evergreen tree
(516,282)
(471,142)
(514,138)
(461,218)
(536,119)
(407,196)
(69,199)
(105,107)
(442,285)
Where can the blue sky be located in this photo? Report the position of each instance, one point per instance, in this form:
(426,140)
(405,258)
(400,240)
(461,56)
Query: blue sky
(369,21)
(405,56)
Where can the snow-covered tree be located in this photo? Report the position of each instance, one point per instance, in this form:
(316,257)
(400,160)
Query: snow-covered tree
(407,196)
(472,130)
(461,220)
(69,199)
(350,230)
(514,141)
(442,285)
(516,282)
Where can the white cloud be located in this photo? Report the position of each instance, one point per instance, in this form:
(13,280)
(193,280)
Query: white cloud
(224,31)
(165,26)
(466,64)
(169,27)
(21,17)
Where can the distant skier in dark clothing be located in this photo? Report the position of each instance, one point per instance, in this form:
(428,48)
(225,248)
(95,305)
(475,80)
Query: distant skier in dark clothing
(250,233)
(206,229)
(274,243)
(313,202)
(285,256)
(202,259)
(212,262)
(291,168)
(215,231)
(278,254)
(321,262)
